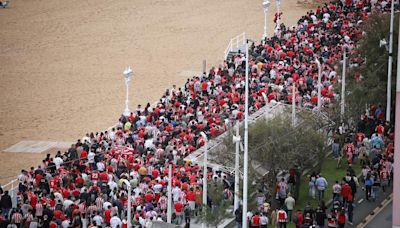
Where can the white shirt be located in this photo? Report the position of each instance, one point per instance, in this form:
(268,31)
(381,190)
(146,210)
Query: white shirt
(65,223)
(98,219)
(176,192)
(106,204)
(58,161)
(91,157)
(100,166)
(115,221)
(112,185)
(157,188)
(67,203)
(264,220)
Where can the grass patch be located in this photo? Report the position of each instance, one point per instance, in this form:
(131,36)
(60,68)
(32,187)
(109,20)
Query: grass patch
(331,174)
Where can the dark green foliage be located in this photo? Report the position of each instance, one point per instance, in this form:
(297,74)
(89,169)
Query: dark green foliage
(218,212)
(373,86)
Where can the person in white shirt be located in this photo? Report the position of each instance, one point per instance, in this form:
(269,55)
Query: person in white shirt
(176,192)
(67,203)
(112,185)
(58,161)
(100,166)
(157,187)
(106,204)
(98,219)
(66,223)
(90,157)
(264,220)
(115,221)
(289,203)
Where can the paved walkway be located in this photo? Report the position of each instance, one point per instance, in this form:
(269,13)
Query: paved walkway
(364,208)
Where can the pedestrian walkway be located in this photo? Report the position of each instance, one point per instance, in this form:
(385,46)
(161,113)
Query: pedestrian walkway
(363,207)
(383,219)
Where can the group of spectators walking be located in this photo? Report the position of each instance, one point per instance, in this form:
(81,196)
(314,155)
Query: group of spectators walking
(84,186)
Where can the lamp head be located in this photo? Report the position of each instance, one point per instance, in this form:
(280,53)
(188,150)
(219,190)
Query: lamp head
(266,4)
(128,72)
(382,42)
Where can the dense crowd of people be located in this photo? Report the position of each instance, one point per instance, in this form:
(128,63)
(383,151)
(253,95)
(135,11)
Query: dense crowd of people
(369,145)
(84,186)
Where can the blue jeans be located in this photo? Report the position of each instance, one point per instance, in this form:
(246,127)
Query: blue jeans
(5,212)
(321,194)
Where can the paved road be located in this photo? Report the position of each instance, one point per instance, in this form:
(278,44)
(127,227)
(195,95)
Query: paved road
(383,219)
(364,208)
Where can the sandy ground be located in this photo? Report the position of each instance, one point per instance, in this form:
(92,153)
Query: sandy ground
(62,61)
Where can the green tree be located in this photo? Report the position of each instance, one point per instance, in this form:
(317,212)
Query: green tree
(219,210)
(275,146)
(372,86)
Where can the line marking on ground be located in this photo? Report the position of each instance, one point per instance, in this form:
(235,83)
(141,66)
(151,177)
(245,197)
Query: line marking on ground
(360,201)
(31,146)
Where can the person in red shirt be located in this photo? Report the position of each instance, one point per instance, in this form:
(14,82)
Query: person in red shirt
(349,151)
(107,216)
(191,198)
(255,220)
(53,224)
(379,129)
(149,197)
(179,211)
(346,191)
(298,218)
(360,137)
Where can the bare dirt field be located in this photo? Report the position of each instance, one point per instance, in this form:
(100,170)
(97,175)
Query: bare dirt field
(62,61)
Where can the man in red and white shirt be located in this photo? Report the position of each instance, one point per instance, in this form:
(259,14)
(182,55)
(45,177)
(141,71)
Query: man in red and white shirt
(16,218)
(281,218)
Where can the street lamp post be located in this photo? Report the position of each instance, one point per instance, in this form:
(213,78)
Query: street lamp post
(294,104)
(319,84)
(343,86)
(236,140)
(129,188)
(390,65)
(205,168)
(266,5)
(169,192)
(396,179)
(127,76)
(278,11)
(246,139)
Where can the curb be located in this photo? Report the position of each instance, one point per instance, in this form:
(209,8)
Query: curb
(376,211)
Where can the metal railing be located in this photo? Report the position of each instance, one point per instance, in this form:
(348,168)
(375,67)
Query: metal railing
(12,188)
(268,111)
(235,44)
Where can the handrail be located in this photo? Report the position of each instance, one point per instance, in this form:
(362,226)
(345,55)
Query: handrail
(269,110)
(235,43)
(12,188)
(9,183)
